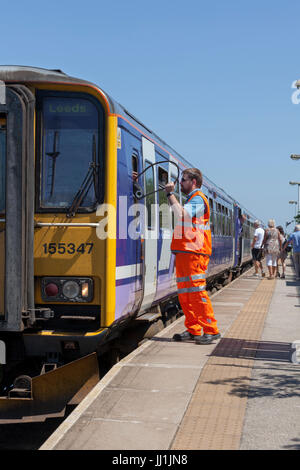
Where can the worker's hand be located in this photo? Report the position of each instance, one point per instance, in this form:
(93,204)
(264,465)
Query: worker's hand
(169,187)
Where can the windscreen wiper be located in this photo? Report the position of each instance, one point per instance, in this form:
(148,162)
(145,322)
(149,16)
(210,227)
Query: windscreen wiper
(84,189)
(54,154)
(92,176)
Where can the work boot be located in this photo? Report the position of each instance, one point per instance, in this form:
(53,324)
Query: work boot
(185,336)
(206,338)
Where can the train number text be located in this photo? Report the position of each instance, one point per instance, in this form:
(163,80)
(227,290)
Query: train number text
(70,248)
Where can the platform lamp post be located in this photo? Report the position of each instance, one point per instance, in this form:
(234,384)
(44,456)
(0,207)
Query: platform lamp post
(294,202)
(294,183)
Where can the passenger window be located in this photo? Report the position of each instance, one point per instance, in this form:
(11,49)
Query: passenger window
(223,220)
(211,206)
(219,217)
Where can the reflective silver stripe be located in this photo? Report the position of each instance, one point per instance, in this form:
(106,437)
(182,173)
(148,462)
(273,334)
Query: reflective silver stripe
(204,300)
(199,226)
(197,276)
(183,279)
(191,289)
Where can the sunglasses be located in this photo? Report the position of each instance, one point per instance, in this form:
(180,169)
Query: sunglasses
(184,179)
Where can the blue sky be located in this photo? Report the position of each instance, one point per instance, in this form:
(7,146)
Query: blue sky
(213,79)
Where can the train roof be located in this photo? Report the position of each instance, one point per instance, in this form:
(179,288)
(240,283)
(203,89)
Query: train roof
(23,74)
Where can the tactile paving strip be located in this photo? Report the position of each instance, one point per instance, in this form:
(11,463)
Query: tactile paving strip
(214,418)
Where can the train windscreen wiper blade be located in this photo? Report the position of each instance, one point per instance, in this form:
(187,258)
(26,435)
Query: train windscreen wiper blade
(54,154)
(90,178)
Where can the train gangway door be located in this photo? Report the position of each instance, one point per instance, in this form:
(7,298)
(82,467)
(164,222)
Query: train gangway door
(16,205)
(150,228)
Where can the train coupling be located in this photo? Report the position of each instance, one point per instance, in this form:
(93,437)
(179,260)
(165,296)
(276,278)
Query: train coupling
(47,395)
(32,315)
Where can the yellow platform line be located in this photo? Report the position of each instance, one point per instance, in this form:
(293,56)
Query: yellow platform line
(215,415)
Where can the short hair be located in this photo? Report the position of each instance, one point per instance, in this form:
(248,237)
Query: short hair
(271,223)
(194,173)
(257,222)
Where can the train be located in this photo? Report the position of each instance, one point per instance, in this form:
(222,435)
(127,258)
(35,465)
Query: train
(84,240)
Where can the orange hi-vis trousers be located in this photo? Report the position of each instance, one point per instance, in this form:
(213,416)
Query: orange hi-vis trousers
(192,295)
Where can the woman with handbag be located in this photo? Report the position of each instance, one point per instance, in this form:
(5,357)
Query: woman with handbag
(272,245)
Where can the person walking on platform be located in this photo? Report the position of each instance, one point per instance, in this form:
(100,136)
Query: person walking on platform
(272,245)
(294,239)
(191,244)
(257,248)
(283,253)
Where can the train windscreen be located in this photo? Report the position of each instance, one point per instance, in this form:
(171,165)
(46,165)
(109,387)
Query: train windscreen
(71,148)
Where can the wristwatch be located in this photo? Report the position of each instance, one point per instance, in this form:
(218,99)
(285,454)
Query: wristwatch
(170,194)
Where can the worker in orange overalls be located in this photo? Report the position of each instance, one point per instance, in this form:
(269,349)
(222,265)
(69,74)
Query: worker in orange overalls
(191,244)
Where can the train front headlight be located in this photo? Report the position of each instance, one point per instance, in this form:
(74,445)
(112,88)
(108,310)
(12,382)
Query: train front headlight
(75,289)
(71,289)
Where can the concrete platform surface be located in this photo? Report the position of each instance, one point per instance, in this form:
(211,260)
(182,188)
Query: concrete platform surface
(240,392)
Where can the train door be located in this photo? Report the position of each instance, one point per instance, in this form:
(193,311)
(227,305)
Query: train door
(165,218)
(150,226)
(16,206)
(238,236)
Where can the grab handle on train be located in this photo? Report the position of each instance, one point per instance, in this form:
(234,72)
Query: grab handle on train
(138,192)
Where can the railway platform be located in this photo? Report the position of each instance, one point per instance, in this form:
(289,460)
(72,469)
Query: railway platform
(241,392)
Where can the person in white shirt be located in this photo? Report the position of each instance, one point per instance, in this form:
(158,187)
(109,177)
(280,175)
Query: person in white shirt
(256,246)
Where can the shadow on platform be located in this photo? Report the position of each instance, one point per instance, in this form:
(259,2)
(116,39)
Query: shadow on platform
(259,350)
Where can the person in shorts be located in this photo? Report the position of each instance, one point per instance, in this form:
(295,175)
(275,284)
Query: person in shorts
(256,246)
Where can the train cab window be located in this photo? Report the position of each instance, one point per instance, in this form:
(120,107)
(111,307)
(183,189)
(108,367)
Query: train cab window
(71,132)
(149,188)
(164,209)
(134,165)
(2,162)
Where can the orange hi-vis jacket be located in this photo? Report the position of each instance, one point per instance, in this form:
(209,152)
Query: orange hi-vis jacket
(193,234)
